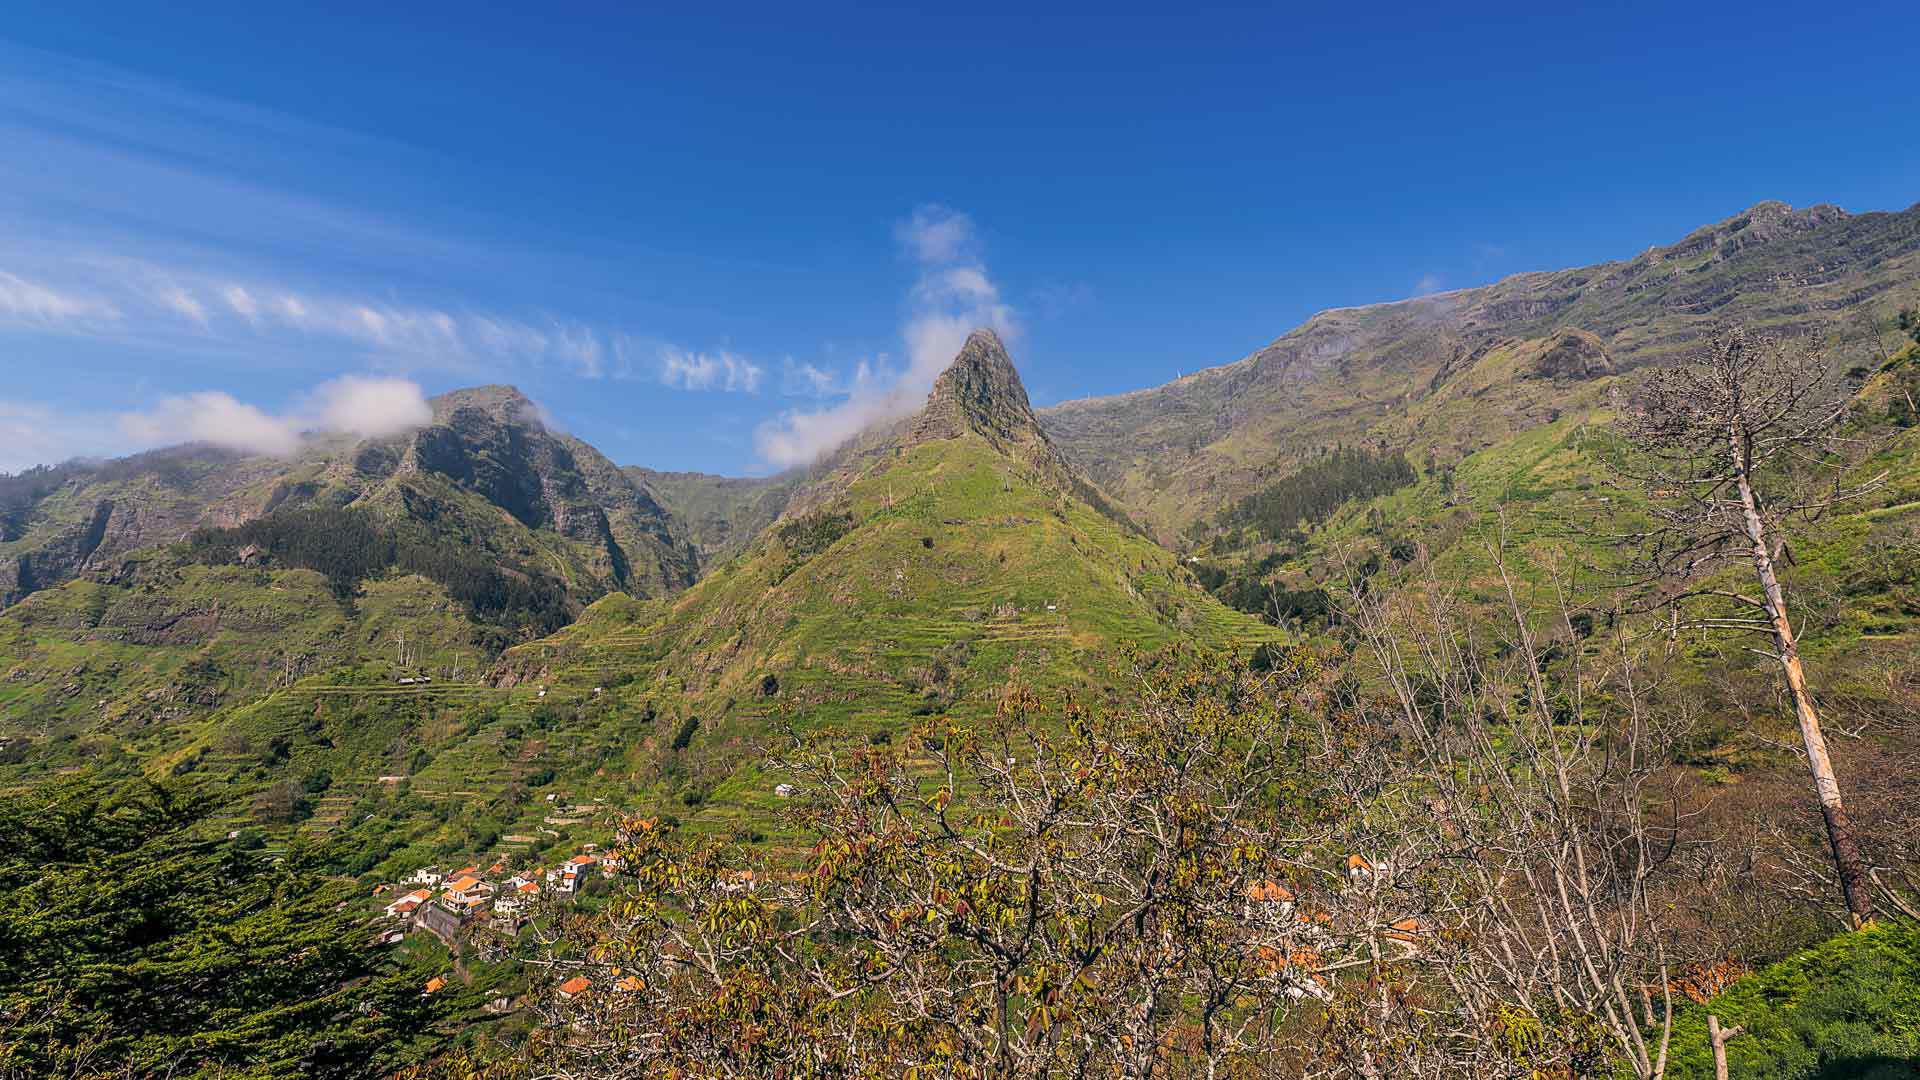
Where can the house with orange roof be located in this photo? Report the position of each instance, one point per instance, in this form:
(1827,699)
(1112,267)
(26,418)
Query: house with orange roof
(574,987)
(739,880)
(465,892)
(1406,934)
(435,985)
(405,906)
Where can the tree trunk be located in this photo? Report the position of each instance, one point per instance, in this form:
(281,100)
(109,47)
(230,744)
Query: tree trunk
(1846,851)
(1719,1036)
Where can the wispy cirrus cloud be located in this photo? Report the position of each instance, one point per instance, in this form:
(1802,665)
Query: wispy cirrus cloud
(952,296)
(27,302)
(720,370)
(142,215)
(799,378)
(122,298)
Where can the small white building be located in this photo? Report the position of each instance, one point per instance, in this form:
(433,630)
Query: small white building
(405,906)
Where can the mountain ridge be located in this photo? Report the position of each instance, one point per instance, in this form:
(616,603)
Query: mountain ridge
(1172,453)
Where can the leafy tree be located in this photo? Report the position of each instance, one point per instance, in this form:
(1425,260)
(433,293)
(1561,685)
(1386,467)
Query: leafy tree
(1159,889)
(130,945)
(1312,494)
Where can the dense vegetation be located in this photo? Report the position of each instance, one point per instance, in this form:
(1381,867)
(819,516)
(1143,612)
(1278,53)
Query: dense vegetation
(1310,495)
(1847,1009)
(350,546)
(133,944)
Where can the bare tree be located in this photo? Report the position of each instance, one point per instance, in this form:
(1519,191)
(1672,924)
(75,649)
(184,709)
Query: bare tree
(1732,450)
(1539,828)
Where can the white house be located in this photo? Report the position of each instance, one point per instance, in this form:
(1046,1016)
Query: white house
(404,907)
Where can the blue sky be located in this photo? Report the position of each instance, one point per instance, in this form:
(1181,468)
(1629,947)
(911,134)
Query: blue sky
(719,238)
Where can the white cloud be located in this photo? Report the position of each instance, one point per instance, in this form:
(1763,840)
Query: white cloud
(369,406)
(211,416)
(720,370)
(366,406)
(1428,285)
(241,301)
(183,303)
(801,379)
(952,297)
(936,234)
(956,283)
(32,302)
(155,303)
(34,435)
(580,347)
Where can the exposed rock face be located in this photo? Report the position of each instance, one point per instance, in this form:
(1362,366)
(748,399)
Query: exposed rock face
(1574,354)
(980,391)
(491,440)
(980,394)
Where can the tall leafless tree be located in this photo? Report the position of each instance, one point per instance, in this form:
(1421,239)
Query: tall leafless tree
(1734,449)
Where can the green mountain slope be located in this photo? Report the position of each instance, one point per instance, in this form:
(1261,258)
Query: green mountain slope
(720,514)
(935,560)
(1175,453)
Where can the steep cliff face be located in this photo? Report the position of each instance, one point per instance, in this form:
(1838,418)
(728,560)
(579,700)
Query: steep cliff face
(491,441)
(70,519)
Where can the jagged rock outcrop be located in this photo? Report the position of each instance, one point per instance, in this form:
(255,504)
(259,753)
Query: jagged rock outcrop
(980,391)
(1574,354)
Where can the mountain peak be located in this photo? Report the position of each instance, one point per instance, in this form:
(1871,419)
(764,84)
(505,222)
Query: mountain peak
(980,391)
(503,403)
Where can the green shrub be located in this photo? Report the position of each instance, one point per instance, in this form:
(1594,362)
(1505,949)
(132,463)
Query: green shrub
(1846,1009)
(684,737)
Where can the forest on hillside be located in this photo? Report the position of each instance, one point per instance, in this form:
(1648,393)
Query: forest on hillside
(510,602)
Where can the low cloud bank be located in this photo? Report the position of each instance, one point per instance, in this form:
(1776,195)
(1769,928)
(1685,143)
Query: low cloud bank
(367,406)
(362,405)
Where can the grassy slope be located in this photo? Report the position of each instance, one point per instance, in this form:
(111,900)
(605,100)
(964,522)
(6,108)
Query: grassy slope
(1847,1009)
(934,599)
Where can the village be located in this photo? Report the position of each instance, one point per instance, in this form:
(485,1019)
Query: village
(450,903)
